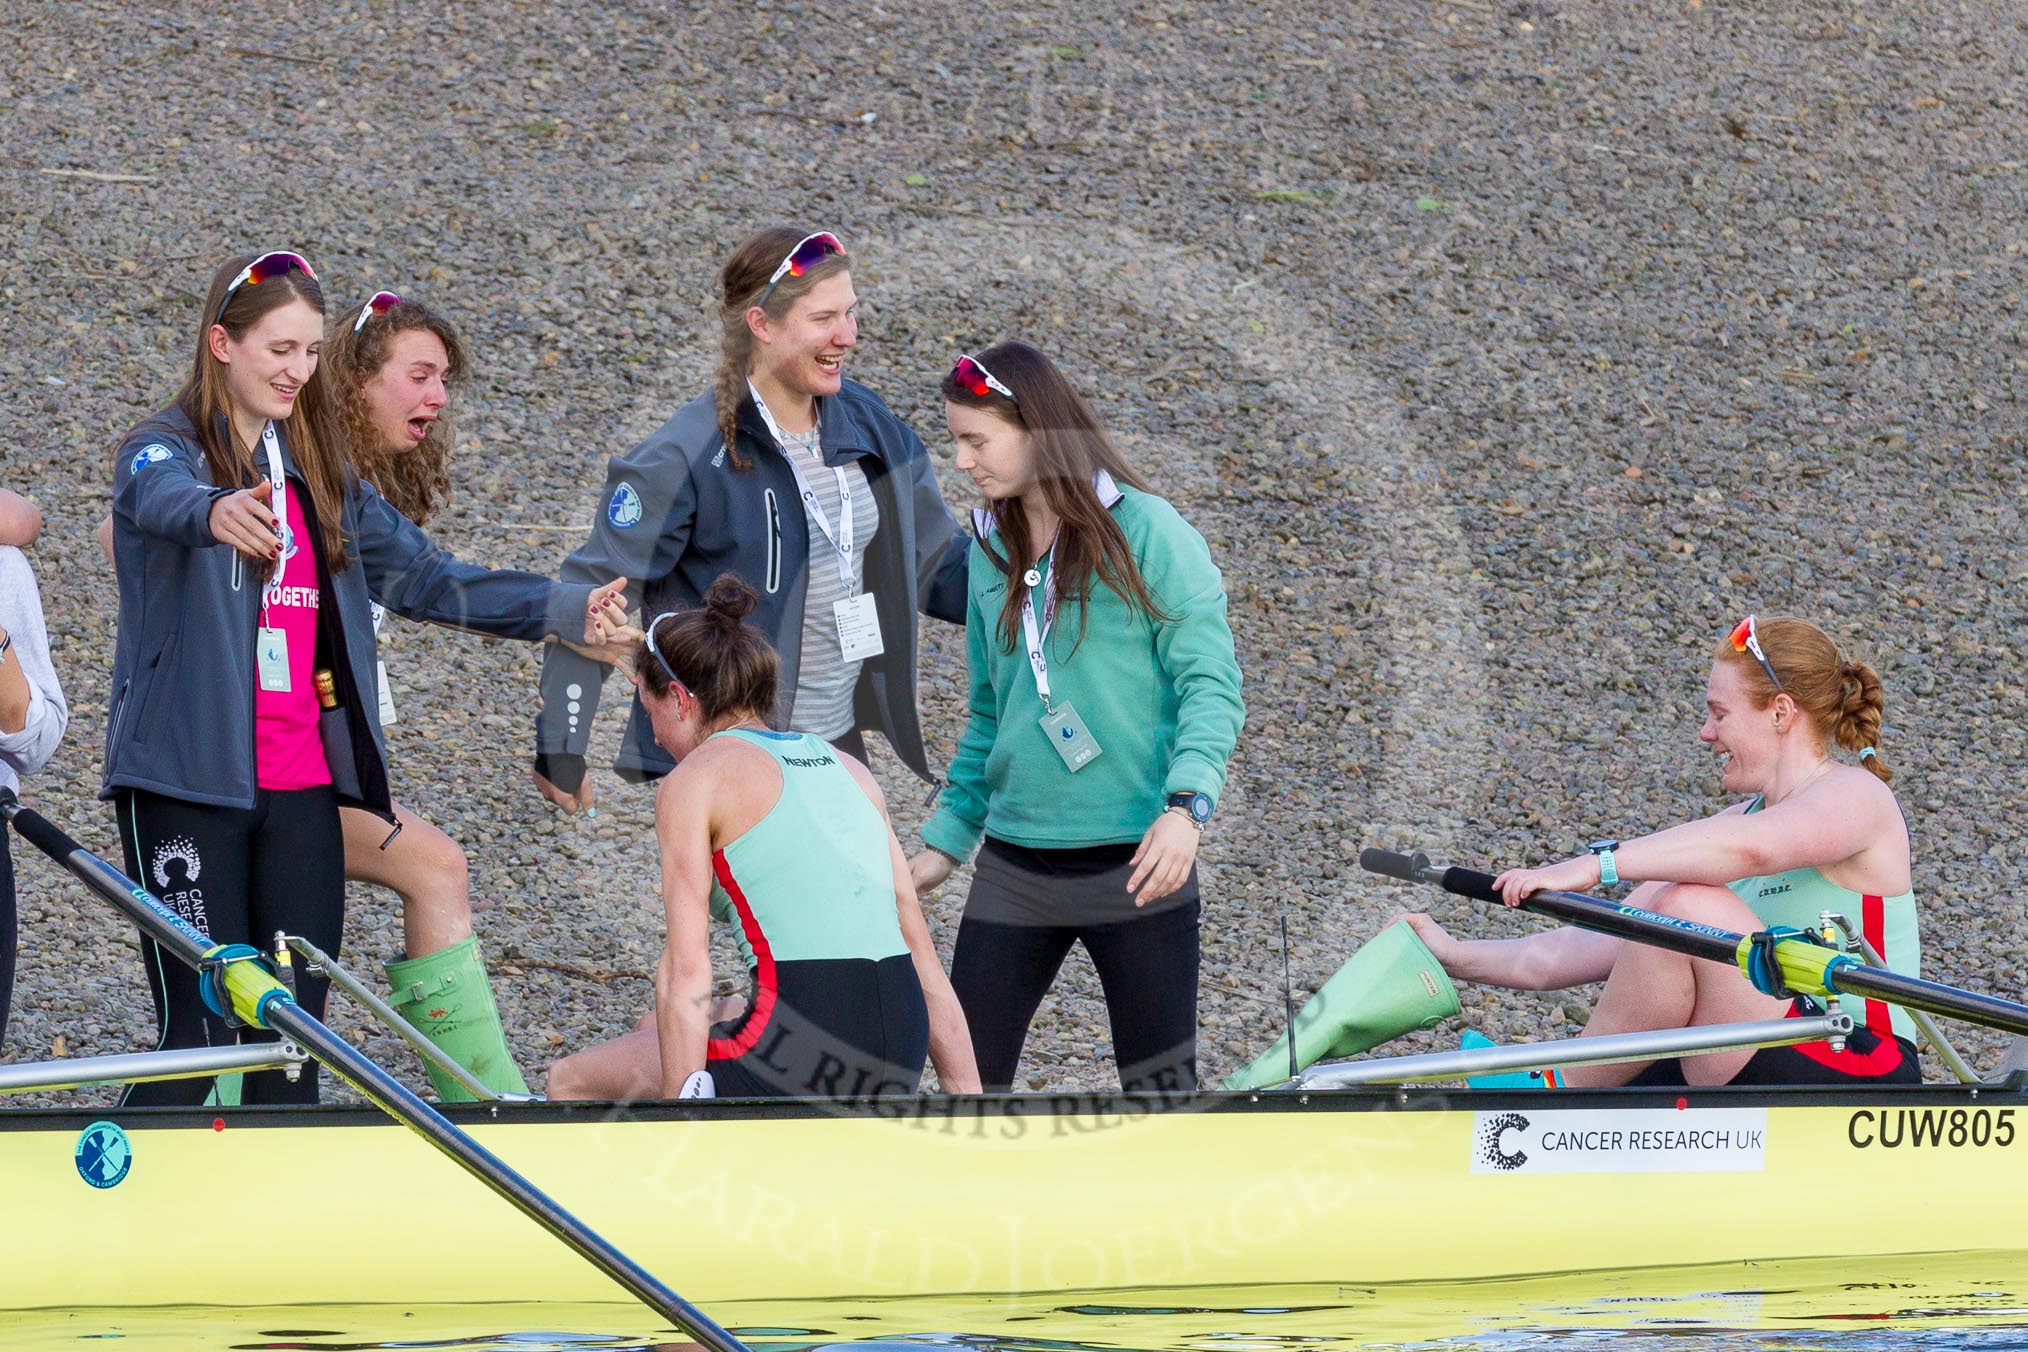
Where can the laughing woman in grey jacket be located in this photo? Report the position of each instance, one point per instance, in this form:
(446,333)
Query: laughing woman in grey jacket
(802,483)
(33,714)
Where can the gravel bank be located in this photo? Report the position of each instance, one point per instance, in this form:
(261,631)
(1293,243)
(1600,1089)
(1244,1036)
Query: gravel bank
(1505,352)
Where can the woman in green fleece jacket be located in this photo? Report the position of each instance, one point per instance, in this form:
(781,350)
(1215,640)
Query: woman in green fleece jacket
(1104,702)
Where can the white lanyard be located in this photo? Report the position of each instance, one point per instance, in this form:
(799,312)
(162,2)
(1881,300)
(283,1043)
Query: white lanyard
(280,500)
(840,540)
(275,475)
(983,525)
(1037,636)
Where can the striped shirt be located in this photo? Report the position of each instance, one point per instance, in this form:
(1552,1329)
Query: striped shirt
(825,680)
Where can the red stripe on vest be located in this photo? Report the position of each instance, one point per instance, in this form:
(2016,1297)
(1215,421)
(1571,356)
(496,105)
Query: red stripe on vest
(756,1021)
(1883,1059)
(1873,924)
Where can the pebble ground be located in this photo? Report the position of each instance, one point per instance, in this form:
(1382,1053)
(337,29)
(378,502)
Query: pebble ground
(1506,352)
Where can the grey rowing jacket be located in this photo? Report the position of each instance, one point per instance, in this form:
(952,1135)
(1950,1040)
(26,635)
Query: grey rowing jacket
(181,718)
(676,514)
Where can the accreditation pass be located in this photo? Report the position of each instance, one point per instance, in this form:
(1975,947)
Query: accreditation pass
(858,627)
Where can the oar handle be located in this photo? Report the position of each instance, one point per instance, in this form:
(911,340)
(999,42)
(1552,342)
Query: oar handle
(1410,868)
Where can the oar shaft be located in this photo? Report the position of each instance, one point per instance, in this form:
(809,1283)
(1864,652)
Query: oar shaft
(389,1094)
(398,1101)
(1912,992)
(184,943)
(1703,941)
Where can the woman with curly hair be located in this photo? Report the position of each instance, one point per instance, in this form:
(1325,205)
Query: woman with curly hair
(395,364)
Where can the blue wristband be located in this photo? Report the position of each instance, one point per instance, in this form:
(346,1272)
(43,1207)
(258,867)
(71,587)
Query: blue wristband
(1608,871)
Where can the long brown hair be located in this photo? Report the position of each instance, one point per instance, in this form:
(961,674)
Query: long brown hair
(740,282)
(312,428)
(1843,699)
(726,664)
(1070,446)
(418,481)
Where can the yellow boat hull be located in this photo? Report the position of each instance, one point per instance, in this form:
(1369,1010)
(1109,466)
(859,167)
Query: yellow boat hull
(973,1199)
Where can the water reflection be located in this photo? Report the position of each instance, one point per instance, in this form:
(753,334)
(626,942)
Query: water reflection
(1936,1303)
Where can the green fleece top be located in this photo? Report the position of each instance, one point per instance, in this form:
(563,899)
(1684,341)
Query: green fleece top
(1161,699)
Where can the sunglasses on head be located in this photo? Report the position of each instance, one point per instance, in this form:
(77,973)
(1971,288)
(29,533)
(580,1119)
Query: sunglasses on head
(971,374)
(1745,639)
(810,250)
(661,661)
(267,267)
(379,304)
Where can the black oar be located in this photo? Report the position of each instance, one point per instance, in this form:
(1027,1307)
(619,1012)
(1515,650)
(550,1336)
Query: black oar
(258,998)
(1803,966)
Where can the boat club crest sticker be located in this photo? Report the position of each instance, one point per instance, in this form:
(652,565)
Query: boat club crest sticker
(153,454)
(103,1154)
(624,511)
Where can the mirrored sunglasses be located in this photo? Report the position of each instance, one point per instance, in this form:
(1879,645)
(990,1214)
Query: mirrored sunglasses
(809,251)
(267,267)
(971,374)
(1745,639)
(379,304)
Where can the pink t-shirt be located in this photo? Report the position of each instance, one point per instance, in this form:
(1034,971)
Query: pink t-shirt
(288,753)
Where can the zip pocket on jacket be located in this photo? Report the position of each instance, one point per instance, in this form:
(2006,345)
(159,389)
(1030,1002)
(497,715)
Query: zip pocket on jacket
(774,542)
(119,715)
(156,672)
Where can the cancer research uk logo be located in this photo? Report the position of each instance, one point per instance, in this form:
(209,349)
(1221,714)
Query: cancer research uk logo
(103,1154)
(176,868)
(149,455)
(1623,1141)
(624,511)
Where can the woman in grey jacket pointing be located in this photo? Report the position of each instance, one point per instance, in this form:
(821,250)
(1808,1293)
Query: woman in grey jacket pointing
(243,711)
(805,485)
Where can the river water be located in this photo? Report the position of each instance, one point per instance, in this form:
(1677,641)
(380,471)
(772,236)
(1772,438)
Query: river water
(1925,1303)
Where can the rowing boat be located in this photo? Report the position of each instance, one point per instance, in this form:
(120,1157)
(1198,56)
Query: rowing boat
(1313,1185)
(990,1196)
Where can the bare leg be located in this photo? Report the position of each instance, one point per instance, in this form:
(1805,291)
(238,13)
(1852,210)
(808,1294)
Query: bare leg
(1651,988)
(628,1067)
(422,865)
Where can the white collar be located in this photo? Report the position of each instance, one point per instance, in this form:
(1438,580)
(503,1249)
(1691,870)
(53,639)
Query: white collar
(1109,496)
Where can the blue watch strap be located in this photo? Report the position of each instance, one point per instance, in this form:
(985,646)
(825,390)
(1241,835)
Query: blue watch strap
(1608,869)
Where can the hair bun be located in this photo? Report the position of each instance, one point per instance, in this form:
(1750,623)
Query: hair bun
(728,602)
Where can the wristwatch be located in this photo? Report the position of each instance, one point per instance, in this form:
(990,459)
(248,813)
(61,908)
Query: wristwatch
(1608,871)
(1196,805)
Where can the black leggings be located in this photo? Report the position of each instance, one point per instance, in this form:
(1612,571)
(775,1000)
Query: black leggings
(238,874)
(837,1027)
(1147,965)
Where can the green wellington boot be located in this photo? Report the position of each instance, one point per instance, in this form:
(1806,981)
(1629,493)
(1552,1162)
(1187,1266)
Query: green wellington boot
(1392,985)
(445,996)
